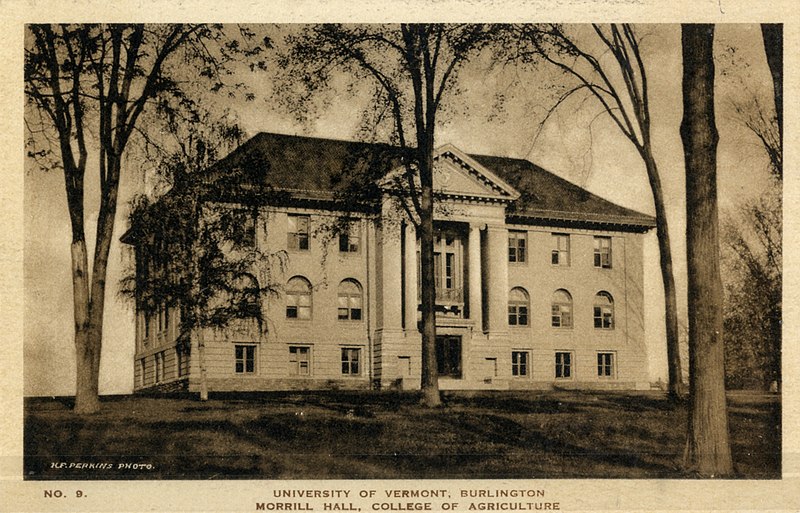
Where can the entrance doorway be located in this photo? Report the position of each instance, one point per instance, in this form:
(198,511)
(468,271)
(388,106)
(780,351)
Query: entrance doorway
(448,356)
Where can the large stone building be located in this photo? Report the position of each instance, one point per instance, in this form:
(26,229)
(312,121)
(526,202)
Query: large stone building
(539,282)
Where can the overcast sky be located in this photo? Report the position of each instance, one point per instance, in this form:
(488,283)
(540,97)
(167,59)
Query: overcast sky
(576,144)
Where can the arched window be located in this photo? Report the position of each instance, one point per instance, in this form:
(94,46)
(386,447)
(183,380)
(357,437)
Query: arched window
(350,300)
(603,311)
(518,306)
(561,309)
(298,298)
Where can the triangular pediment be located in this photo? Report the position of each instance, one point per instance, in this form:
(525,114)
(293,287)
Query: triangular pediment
(457,175)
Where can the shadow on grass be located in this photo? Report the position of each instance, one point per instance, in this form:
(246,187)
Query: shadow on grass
(360,435)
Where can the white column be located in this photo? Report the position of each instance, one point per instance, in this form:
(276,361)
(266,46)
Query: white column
(474,276)
(410,299)
(390,278)
(497,278)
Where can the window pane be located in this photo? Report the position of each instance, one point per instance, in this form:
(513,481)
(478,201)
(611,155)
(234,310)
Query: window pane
(355,314)
(437,270)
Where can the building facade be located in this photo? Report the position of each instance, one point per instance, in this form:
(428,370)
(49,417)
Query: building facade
(539,284)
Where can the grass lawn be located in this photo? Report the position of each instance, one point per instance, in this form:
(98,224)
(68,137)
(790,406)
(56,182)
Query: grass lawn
(386,435)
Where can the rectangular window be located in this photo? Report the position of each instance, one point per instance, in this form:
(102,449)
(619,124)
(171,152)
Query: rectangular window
(437,270)
(517,314)
(605,365)
(241,233)
(603,317)
(563,365)
(248,239)
(300,360)
(448,356)
(519,363)
(245,359)
(602,252)
(159,361)
(351,361)
(142,371)
(349,307)
(298,233)
(350,238)
(146,326)
(560,254)
(449,269)
(561,316)
(517,246)
(179,361)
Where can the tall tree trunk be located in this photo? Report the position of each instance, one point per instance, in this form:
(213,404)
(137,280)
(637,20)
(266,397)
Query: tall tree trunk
(201,360)
(198,313)
(430,372)
(94,338)
(676,389)
(86,388)
(707,450)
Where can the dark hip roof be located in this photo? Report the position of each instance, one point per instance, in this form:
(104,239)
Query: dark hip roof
(297,168)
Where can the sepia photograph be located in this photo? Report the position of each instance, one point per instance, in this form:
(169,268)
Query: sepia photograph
(472,258)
